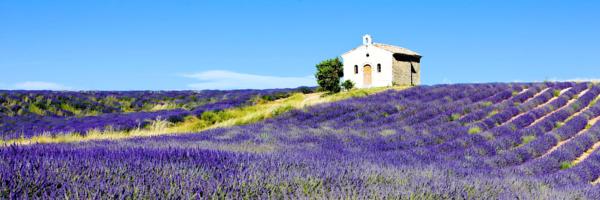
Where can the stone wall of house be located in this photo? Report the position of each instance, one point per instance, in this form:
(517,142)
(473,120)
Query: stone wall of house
(402,73)
(417,75)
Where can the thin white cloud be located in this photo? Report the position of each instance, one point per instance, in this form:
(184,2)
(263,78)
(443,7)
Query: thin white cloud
(584,80)
(446,80)
(221,79)
(40,85)
(572,80)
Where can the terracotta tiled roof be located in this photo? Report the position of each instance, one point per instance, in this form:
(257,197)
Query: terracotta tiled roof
(395,49)
(390,48)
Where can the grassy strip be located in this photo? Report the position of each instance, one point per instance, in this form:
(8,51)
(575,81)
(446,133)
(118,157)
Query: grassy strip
(208,120)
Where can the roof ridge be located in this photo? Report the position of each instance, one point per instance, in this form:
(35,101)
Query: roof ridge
(395,49)
(389,48)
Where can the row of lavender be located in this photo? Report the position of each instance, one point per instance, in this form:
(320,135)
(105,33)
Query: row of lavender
(110,116)
(85,103)
(489,141)
(116,170)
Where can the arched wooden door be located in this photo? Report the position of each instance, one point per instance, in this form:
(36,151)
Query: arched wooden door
(367,75)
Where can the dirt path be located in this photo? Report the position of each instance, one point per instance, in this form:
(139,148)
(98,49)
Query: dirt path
(583,110)
(570,102)
(523,113)
(559,144)
(311,99)
(587,153)
(591,122)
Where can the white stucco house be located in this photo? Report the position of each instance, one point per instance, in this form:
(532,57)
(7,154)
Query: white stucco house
(378,65)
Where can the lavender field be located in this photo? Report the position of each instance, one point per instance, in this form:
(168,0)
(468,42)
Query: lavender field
(24,114)
(460,141)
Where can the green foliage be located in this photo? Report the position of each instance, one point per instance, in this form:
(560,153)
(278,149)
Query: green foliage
(559,124)
(487,104)
(556,93)
(566,165)
(466,111)
(494,112)
(70,108)
(309,185)
(212,117)
(282,109)
(527,139)
(454,117)
(348,85)
(279,95)
(126,104)
(575,106)
(35,109)
(176,118)
(305,90)
(515,93)
(328,74)
(21,111)
(110,100)
(594,102)
(474,130)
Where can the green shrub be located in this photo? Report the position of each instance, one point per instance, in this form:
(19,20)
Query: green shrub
(305,90)
(454,117)
(466,111)
(70,108)
(556,93)
(575,106)
(566,165)
(328,74)
(273,97)
(282,109)
(594,102)
(494,112)
(487,104)
(474,130)
(210,117)
(35,109)
(527,139)
(348,85)
(559,124)
(175,118)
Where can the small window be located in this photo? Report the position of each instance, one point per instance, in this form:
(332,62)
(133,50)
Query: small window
(378,67)
(367,54)
(356,69)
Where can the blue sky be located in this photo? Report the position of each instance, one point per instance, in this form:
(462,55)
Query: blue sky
(174,45)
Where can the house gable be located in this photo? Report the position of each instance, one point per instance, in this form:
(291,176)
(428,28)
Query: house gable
(379,60)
